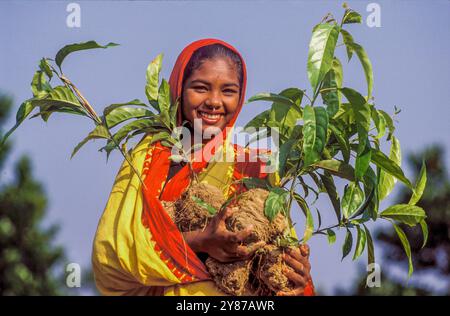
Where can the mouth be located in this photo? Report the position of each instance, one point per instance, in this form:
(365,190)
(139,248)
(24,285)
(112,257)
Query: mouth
(210,118)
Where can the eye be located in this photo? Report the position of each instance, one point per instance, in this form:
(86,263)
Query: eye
(199,88)
(230,91)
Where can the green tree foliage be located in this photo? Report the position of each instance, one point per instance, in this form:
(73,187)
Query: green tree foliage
(27,256)
(435,255)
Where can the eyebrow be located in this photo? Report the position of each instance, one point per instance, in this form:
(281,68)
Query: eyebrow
(208,84)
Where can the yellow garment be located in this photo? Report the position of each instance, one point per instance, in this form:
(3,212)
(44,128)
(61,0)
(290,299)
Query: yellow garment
(124,261)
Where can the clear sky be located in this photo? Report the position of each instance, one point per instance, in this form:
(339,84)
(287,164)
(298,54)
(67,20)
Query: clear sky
(409,53)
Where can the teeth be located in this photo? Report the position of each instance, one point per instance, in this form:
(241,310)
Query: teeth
(210,116)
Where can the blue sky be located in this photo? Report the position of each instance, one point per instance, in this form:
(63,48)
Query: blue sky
(409,53)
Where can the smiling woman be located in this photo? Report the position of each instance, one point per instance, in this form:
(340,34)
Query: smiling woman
(138,249)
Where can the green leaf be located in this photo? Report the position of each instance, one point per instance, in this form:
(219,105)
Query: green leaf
(309,225)
(259,120)
(389,123)
(164,101)
(351,16)
(387,181)
(390,167)
(420,185)
(60,97)
(114,106)
(380,122)
(370,189)
(285,150)
(424,227)
(331,236)
(348,41)
(319,218)
(355,98)
(321,52)
(173,114)
(39,85)
(99,132)
(406,246)
(314,133)
(45,67)
(122,114)
(352,199)
(211,210)
(272,97)
(140,124)
(333,81)
(294,94)
(275,203)
(367,66)
(407,214)
(362,116)
(370,248)
(362,160)
(360,243)
(337,168)
(66,50)
(160,136)
(347,246)
(343,141)
(24,111)
(330,187)
(152,76)
(252,183)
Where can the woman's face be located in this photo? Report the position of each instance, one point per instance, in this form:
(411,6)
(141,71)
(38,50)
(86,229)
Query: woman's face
(211,94)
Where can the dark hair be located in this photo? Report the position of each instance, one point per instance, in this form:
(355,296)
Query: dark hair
(211,52)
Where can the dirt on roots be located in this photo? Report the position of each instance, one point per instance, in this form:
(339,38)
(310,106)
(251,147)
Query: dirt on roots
(262,274)
(189,214)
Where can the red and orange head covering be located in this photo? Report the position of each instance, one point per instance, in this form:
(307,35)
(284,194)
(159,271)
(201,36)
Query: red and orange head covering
(176,77)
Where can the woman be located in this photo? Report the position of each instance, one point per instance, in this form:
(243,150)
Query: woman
(138,250)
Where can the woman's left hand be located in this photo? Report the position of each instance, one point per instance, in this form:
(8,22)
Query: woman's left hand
(298,260)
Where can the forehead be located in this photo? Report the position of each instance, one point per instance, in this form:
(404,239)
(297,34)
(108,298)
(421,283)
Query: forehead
(217,68)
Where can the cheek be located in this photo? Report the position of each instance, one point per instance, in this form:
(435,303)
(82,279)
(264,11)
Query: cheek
(189,104)
(231,108)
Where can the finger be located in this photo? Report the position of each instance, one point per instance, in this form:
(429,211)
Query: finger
(304,249)
(296,278)
(298,266)
(295,253)
(298,257)
(225,213)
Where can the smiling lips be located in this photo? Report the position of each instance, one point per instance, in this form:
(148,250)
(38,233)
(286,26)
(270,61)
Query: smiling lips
(210,118)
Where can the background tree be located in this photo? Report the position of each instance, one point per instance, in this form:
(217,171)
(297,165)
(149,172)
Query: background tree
(435,256)
(27,255)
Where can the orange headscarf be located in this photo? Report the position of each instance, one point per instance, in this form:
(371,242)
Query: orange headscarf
(169,240)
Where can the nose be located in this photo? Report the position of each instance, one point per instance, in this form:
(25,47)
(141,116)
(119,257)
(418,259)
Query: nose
(214,101)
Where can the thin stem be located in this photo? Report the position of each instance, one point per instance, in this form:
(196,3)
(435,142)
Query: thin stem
(84,102)
(322,230)
(328,89)
(127,158)
(307,97)
(291,191)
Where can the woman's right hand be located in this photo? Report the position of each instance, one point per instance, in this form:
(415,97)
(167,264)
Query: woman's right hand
(224,245)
